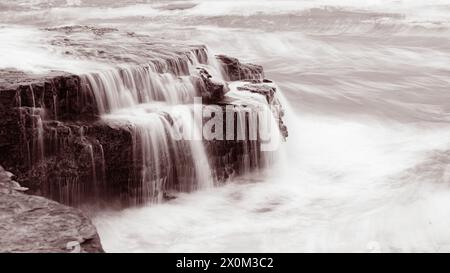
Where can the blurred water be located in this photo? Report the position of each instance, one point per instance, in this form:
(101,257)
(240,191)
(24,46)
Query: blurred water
(366,165)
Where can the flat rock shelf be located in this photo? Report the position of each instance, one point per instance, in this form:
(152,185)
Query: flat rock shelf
(35,224)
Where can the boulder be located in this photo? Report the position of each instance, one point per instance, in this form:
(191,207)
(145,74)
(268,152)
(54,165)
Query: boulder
(211,90)
(35,224)
(237,71)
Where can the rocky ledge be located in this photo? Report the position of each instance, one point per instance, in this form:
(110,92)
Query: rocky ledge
(55,137)
(35,224)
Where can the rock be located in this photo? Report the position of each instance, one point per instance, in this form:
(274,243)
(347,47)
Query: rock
(79,159)
(237,71)
(35,224)
(211,90)
(263,89)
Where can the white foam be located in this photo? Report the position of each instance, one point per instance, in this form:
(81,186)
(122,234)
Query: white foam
(27,49)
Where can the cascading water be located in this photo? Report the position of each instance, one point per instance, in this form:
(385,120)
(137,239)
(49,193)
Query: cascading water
(37,114)
(149,100)
(129,86)
(166,81)
(162,161)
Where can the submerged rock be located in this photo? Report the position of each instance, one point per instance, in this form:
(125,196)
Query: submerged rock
(35,224)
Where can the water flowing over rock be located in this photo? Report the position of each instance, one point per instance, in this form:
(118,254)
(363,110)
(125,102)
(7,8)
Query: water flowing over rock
(35,224)
(267,90)
(113,134)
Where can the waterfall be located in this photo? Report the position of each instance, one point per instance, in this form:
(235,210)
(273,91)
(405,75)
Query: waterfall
(149,99)
(256,121)
(40,135)
(37,115)
(145,108)
(162,160)
(92,158)
(199,158)
(167,81)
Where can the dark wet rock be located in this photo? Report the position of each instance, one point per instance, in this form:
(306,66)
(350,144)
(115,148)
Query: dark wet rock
(35,224)
(210,89)
(61,95)
(228,156)
(79,159)
(237,71)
